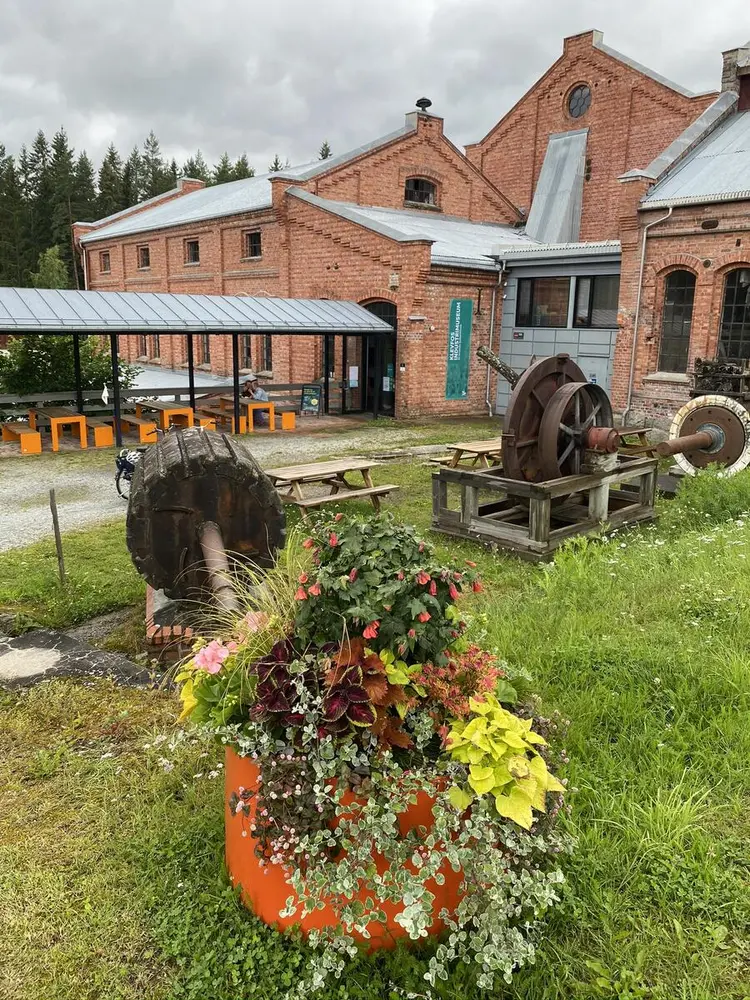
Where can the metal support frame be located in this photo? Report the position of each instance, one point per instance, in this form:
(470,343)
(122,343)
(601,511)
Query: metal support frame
(236,381)
(326,374)
(191,369)
(116,388)
(77,370)
(378,378)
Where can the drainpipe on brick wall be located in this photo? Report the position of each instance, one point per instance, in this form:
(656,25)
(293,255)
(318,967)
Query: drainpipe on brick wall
(85,268)
(628,407)
(500,272)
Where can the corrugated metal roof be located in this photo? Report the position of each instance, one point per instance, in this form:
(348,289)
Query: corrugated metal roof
(555,215)
(455,241)
(601,248)
(36,310)
(718,169)
(232,198)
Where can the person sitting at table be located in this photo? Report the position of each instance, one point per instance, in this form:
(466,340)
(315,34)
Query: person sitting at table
(252,390)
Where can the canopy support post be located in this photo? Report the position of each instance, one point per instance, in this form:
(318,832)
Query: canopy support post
(236,382)
(77,369)
(191,370)
(326,374)
(116,388)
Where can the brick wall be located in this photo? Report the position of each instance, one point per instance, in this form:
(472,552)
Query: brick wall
(677,243)
(632,118)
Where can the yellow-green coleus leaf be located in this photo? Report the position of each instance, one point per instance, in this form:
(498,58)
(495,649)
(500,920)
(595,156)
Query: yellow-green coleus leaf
(548,781)
(460,798)
(481,779)
(516,806)
(518,766)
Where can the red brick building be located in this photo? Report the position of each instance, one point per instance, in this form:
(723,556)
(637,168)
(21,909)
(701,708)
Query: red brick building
(518,243)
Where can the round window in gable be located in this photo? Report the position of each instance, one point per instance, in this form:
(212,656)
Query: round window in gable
(579,100)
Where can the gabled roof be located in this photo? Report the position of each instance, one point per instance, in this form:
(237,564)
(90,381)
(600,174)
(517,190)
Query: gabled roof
(37,310)
(233,198)
(455,242)
(718,169)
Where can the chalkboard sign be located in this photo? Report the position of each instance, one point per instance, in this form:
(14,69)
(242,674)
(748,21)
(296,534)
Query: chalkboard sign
(312,399)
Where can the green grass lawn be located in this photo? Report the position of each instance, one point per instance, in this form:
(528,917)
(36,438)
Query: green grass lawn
(111,877)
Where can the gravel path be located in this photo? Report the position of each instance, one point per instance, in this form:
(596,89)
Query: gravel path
(86,495)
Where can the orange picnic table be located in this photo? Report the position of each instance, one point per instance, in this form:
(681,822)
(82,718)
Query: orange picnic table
(59,417)
(165,412)
(250,405)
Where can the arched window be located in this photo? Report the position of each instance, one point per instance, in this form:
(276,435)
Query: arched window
(735,316)
(420,191)
(677,318)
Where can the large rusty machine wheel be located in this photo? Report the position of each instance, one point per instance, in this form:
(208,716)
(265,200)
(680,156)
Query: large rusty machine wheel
(724,425)
(191,479)
(523,416)
(577,418)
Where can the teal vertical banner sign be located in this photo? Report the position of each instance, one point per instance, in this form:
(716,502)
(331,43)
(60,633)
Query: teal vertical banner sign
(459,347)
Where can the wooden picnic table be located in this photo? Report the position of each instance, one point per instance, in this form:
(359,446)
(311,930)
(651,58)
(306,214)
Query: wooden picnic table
(59,417)
(482,453)
(165,412)
(227,402)
(291,479)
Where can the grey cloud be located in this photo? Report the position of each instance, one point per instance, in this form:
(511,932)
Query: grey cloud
(282,77)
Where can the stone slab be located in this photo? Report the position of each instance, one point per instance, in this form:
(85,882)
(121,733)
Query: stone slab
(43,654)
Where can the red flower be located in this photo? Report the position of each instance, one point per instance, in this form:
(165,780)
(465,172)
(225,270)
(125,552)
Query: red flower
(300,595)
(400,575)
(470,563)
(353,575)
(371,632)
(453,592)
(308,543)
(433,588)
(458,576)
(338,517)
(423,578)
(412,633)
(314,591)
(424,616)
(333,541)
(303,578)
(477,587)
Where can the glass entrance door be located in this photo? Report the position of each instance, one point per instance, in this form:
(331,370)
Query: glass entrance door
(379,362)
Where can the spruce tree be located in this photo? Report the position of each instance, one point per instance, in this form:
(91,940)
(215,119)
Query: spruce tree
(325,151)
(132,180)
(155,174)
(13,240)
(62,174)
(223,171)
(276,166)
(84,189)
(111,198)
(40,202)
(197,168)
(173,173)
(242,169)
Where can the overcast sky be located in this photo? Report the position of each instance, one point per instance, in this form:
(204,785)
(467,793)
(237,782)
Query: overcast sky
(267,77)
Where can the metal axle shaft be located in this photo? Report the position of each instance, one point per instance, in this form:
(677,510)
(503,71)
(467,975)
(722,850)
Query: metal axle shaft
(699,441)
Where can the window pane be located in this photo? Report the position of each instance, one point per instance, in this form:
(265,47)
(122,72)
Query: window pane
(550,302)
(604,305)
(419,190)
(583,302)
(735,319)
(677,316)
(523,306)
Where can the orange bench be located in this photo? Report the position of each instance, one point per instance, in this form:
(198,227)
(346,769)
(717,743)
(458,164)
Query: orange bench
(103,434)
(223,417)
(29,440)
(146,428)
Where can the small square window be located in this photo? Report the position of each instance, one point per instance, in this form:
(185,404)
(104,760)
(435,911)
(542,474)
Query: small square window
(192,252)
(105,265)
(144,258)
(253,245)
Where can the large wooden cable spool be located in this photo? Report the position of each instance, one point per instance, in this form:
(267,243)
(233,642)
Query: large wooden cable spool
(195,495)
(526,408)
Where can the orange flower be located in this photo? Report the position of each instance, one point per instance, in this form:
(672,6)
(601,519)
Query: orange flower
(308,543)
(303,578)
(333,540)
(424,616)
(477,587)
(300,595)
(371,632)
(453,592)
(314,591)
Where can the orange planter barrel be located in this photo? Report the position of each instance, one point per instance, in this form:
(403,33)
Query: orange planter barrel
(265,889)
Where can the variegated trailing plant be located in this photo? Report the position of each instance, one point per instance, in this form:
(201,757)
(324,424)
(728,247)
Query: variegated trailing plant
(351,681)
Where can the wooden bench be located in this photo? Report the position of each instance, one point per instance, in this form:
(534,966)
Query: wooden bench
(219,416)
(373,492)
(146,428)
(30,441)
(103,433)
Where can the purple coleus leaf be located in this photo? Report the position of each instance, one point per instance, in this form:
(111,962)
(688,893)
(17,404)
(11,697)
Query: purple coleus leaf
(277,702)
(336,704)
(356,693)
(294,719)
(361,715)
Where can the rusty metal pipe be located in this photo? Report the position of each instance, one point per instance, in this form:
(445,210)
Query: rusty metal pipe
(605,439)
(699,441)
(217,565)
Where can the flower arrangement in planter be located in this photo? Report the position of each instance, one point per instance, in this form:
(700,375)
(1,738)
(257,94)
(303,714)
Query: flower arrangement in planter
(382,779)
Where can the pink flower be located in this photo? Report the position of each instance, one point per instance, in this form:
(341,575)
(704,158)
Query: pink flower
(254,621)
(424,616)
(433,588)
(477,587)
(470,563)
(400,575)
(333,540)
(353,575)
(458,576)
(412,633)
(308,543)
(371,632)
(338,517)
(303,578)
(314,591)
(300,595)
(212,656)
(453,593)
(423,578)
